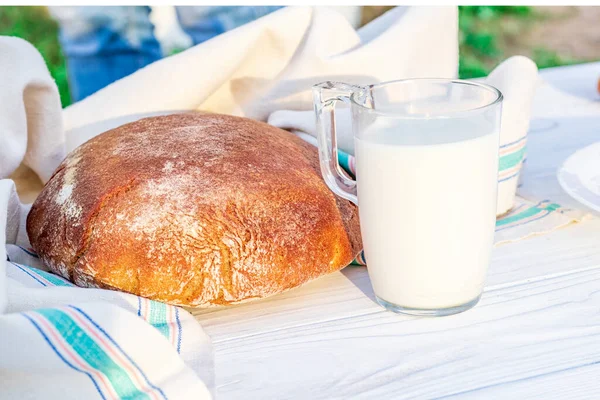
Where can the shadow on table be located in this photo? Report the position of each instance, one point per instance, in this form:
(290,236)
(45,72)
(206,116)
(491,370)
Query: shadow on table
(360,278)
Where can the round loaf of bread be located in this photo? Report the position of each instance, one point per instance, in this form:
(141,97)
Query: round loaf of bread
(194,210)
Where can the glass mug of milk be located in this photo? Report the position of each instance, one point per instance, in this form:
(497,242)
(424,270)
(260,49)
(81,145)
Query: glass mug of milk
(426,153)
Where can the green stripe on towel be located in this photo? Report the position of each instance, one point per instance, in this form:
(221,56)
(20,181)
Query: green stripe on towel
(53,279)
(158,317)
(87,348)
(511,160)
(530,212)
(344,161)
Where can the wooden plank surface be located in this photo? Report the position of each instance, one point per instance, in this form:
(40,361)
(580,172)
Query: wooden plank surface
(536,331)
(523,332)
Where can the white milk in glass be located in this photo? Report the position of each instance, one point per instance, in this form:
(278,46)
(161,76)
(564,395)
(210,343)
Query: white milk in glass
(427,204)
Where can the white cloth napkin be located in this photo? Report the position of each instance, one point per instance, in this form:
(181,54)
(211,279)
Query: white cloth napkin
(30,118)
(58,341)
(271,64)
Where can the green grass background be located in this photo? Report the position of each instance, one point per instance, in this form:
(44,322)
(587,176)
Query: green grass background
(485,31)
(482,38)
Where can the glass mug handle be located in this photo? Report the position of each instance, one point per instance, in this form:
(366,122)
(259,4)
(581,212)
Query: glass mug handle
(325,97)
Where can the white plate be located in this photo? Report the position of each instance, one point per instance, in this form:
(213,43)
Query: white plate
(579,176)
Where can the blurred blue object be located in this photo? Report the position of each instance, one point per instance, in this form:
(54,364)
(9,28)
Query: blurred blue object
(104,44)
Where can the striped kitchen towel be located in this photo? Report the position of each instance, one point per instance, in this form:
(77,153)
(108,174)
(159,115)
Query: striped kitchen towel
(97,343)
(512,156)
(88,351)
(528,218)
(166,319)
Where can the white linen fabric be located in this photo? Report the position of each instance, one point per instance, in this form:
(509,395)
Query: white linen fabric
(30,111)
(271,64)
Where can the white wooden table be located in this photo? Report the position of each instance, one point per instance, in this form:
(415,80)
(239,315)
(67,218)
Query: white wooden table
(536,331)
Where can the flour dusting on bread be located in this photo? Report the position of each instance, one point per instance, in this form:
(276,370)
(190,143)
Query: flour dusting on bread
(64,197)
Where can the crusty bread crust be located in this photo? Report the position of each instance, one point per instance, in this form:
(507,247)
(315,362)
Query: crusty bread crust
(194,210)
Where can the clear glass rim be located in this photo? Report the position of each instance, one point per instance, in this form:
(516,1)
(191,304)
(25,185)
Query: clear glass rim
(497,99)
